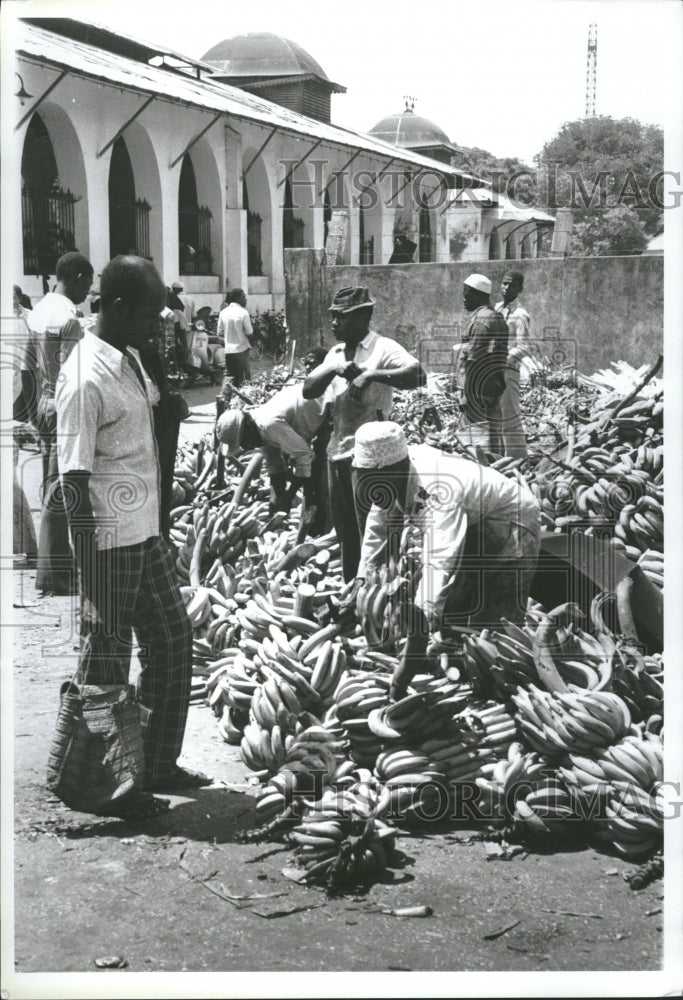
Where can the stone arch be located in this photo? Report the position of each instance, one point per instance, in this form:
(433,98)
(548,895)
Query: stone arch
(257,198)
(200,164)
(297,200)
(369,203)
(147,184)
(55,190)
(431,198)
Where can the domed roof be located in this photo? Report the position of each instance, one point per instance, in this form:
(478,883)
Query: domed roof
(261,54)
(410,130)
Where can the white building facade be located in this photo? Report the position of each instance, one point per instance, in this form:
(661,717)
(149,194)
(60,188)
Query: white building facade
(110,153)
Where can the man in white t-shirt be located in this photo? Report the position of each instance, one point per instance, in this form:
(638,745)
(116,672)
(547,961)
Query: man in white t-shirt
(234,326)
(357,378)
(54,330)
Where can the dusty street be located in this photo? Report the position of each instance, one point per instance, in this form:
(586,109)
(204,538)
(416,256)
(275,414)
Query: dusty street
(181,892)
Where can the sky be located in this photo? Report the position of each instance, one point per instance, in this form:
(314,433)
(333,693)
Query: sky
(499,74)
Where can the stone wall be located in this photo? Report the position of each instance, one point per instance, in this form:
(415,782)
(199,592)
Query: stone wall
(587,310)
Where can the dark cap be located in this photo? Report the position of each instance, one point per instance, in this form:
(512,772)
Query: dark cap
(353,297)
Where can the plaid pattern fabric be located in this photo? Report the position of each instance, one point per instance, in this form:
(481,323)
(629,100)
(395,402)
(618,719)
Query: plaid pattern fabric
(135,587)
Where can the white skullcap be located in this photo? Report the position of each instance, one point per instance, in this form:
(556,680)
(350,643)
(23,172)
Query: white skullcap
(378,444)
(480,282)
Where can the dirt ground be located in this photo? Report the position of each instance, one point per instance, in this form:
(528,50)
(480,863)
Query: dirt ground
(182,893)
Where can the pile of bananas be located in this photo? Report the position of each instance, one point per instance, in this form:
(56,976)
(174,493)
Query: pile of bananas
(622,787)
(341,840)
(639,681)
(356,697)
(524,792)
(307,701)
(570,722)
(499,661)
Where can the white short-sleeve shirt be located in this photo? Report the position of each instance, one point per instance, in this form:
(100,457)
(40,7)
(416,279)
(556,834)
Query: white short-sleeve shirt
(105,427)
(374,352)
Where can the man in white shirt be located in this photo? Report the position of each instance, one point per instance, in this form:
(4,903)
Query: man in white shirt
(110,473)
(54,329)
(357,378)
(234,326)
(470,517)
(519,326)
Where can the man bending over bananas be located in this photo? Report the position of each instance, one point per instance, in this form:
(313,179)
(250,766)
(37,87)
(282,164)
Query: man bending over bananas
(471,518)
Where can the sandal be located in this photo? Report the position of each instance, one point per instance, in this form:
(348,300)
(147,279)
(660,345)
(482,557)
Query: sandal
(137,806)
(178,780)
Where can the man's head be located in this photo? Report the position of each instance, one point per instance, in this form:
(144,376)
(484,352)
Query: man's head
(132,295)
(314,358)
(511,285)
(238,430)
(476,291)
(382,465)
(74,273)
(177,286)
(16,297)
(351,312)
(237,295)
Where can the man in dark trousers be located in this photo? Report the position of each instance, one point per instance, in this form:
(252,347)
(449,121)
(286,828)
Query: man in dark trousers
(110,473)
(481,369)
(357,378)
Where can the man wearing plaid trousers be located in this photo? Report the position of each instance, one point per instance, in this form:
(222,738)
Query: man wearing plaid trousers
(110,475)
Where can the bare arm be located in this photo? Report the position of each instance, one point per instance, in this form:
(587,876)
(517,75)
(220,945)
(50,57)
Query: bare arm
(79,512)
(319,379)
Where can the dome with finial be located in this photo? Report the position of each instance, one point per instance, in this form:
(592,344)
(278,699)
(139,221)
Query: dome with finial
(411,131)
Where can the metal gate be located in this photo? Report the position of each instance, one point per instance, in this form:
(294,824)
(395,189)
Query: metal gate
(48,228)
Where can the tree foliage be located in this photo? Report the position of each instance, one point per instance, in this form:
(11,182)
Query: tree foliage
(596,165)
(614,233)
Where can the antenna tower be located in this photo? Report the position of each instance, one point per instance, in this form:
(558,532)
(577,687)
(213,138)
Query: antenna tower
(591,70)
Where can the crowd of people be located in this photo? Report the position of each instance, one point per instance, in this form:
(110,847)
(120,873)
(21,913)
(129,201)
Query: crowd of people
(98,395)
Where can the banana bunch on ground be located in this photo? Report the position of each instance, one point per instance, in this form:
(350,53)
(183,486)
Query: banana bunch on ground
(524,792)
(570,722)
(340,848)
(639,422)
(651,562)
(638,680)
(417,715)
(356,792)
(312,752)
(499,661)
(356,697)
(634,821)
(207,538)
(635,760)
(641,527)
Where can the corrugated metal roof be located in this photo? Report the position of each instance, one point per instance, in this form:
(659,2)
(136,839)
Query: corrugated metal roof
(50,49)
